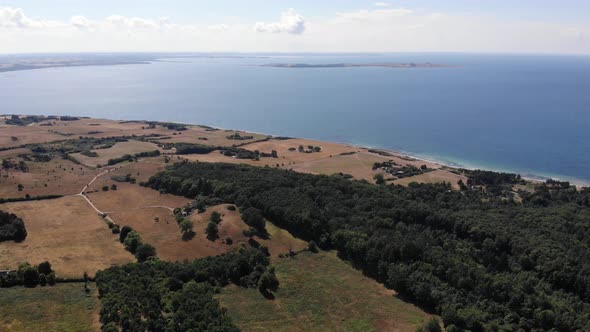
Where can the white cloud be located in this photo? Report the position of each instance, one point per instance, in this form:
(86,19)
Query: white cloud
(382,4)
(387,29)
(16,18)
(290,22)
(131,22)
(80,22)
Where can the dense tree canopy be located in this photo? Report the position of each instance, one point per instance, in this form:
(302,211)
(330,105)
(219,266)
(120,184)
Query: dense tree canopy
(481,260)
(163,296)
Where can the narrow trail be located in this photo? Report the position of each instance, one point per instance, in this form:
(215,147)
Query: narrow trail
(83,195)
(105,213)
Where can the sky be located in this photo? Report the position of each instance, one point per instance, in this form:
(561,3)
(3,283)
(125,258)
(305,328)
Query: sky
(482,26)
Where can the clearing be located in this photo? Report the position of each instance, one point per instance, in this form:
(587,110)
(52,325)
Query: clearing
(320,292)
(68,233)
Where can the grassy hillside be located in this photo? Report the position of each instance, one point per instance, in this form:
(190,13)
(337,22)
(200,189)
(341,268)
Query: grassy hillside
(321,292)
(64,307)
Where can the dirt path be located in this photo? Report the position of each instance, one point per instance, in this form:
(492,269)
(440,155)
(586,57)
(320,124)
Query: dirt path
(83,195)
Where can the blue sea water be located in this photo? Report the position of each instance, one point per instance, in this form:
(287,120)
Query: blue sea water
(521,113)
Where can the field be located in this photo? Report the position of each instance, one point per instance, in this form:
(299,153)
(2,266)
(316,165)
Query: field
(26,135)
(120,149)
(165,235)
(56,177)
(63,307)
(67,233)
(320,292)
(129,196)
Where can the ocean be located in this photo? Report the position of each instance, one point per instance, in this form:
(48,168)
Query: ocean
(528,114)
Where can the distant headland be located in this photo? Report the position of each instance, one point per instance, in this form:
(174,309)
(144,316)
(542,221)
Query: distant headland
(356,65)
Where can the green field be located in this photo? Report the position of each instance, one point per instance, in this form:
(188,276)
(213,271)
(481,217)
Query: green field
(320,292)
(64,307)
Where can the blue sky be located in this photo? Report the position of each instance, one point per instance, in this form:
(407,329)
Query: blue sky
(517,26)
(566,11)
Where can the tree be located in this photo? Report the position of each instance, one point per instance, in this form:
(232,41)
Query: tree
(113,187)
(132,241)
(44,268)
(216,217)
(105,188)
(186,228)
(379,179)
(42,279)
(51,279)
(253,217)
(123,234)
(212,231)
(312,246)
(30,276)
(145,251)
(268,282)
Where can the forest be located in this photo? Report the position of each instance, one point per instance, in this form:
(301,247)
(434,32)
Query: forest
(164,296)
(481,261)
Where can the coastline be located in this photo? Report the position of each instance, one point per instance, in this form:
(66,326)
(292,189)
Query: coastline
(531,176)
(528,176)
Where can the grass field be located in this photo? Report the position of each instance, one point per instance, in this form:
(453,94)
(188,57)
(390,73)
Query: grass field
(63,307)
(320,292)
(67,233)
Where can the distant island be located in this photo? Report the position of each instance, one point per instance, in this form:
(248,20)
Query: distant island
(356,65)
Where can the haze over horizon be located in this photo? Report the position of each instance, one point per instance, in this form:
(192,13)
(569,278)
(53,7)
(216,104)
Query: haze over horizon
(27,26)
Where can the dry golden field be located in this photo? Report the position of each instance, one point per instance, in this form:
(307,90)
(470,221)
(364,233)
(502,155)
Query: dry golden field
(120,149)
(68,233)
(130,196)
(56,177)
